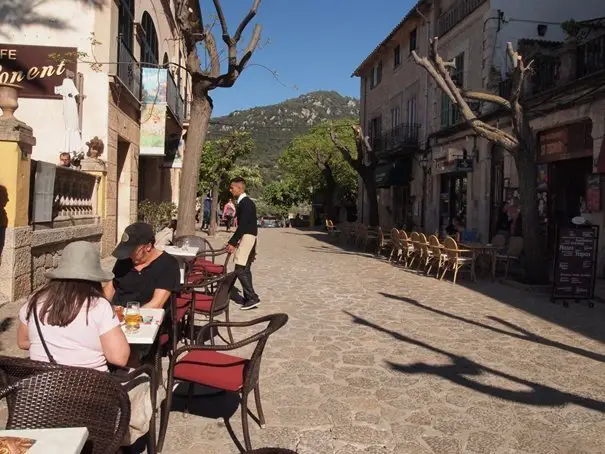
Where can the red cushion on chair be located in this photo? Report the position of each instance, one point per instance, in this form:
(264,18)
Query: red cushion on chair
(201,262)
(214,269)
(203,303)
(164,339)
(213,369)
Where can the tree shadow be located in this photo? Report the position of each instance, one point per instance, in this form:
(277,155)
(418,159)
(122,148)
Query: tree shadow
(17,14)
(520,333)
(461,369)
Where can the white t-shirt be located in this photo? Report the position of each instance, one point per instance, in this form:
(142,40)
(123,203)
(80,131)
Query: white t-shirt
(77,344)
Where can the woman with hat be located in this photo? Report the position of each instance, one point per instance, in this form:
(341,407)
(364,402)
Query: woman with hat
(74,320)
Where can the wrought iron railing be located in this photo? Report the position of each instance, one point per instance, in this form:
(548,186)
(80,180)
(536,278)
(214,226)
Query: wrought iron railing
(402,136)
(546,72)
(129,70)
(591,56)
(175,100)
(456,14)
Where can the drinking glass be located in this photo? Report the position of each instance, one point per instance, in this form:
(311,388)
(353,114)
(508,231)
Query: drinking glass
(132,316)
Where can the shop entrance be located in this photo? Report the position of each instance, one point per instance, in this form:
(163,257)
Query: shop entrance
(452,199)
(567,185)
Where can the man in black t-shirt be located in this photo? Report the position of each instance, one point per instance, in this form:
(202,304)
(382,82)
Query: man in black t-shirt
(142,272)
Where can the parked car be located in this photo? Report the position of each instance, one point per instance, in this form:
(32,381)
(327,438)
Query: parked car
(270,222)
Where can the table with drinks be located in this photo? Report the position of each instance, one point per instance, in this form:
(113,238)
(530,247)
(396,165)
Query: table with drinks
(141,325)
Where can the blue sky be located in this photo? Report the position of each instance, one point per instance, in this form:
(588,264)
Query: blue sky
(313,45)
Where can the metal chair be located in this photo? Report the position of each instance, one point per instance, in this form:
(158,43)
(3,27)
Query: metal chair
(210,365)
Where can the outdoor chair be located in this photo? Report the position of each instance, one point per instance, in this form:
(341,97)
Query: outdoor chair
(425,253)
(438,257)
(512,254)
(210,305)
(456,259)
(211,366)
(383,241)
(407,248)
(395,246)
(43,395)
(499,242)
(415,252)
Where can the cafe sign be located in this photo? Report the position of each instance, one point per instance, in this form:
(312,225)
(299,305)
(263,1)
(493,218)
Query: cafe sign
(38,69)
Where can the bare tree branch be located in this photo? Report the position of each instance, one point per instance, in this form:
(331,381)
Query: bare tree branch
(485,97)
(440,72)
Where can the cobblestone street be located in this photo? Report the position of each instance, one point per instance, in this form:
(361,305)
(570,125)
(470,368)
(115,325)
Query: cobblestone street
(376,359)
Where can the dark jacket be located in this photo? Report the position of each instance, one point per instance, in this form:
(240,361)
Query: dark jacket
(246,220)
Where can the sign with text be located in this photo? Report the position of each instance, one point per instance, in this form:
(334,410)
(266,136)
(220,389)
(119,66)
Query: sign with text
(575,262)
(38,69)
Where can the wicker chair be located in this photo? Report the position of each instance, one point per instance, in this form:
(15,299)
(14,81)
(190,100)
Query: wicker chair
(209,365)
(438,257)
(43,395)
(395,255)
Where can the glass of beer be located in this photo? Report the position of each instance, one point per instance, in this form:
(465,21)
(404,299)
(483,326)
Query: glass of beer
(132,316)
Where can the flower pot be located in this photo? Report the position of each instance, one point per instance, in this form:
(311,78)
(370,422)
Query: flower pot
(9,99)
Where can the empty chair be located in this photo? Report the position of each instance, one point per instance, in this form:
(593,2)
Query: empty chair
(512,254)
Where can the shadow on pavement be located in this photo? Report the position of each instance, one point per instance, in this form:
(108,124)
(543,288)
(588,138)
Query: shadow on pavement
(577,318)
(461,369)
(518,332)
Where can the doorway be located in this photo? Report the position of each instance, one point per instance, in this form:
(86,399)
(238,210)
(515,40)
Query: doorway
(123,187)
(452,199)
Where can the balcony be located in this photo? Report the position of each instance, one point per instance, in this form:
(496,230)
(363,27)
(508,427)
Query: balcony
(456,14)
(174,99)
(399,139)
(129,70)
(591,57)
(546,74)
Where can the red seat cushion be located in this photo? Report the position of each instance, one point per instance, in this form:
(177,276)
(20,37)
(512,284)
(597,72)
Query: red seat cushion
(203,303)
(199,262)
(164,339)
(214,269)
(210,368)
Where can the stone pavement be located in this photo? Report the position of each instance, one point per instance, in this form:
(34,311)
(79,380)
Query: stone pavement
(377,360)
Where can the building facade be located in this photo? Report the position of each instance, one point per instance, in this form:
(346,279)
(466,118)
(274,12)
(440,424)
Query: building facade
(466,177)
(392,114)
(121,61)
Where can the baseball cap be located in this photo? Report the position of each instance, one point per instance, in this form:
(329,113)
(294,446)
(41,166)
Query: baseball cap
(134,235)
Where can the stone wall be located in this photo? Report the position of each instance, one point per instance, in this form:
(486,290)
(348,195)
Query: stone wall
(47,247)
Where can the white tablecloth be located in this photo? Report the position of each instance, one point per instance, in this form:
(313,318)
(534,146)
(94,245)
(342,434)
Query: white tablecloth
(147,332)
(181,255)
(52,441)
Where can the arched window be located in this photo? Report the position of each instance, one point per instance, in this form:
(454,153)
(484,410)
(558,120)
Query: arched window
(149,49)
(126,23)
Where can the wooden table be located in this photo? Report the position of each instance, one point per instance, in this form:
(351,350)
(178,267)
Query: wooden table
(480,249)
(148,331)
(52,441)
(182,255)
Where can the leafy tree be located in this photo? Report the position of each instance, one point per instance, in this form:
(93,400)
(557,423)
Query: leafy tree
(281,196)
(198,36)
(217,161)
(314,161)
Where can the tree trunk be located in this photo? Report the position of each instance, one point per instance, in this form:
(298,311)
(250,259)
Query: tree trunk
(201,111)
(328,193)
(534,259)
(369,181)
(213,210)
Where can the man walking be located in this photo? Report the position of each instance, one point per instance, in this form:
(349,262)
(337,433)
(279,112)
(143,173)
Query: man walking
(243,241)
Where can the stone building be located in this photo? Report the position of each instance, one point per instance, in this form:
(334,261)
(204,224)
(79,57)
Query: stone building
(462,175)
(119,60)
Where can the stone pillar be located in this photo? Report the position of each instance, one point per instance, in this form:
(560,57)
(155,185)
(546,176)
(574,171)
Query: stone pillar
(96,167)
(16,142)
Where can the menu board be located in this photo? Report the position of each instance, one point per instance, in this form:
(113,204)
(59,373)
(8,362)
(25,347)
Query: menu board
(575,262)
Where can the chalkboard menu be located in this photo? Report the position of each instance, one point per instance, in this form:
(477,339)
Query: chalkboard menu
(575,262)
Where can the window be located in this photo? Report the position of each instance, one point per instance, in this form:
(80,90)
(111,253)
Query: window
(411,111)
(450,114)
(397,56)
(149,46)
(376,74)
(413,41)
(126,23)
(375,132)
(395,117)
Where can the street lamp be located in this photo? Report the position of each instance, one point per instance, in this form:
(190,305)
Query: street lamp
(425,163)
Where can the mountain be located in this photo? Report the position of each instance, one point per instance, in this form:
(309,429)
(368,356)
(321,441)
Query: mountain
(273,127)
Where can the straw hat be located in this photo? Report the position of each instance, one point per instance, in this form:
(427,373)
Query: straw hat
(81,261)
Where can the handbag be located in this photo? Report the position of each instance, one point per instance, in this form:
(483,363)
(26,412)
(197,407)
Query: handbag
(50,357)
